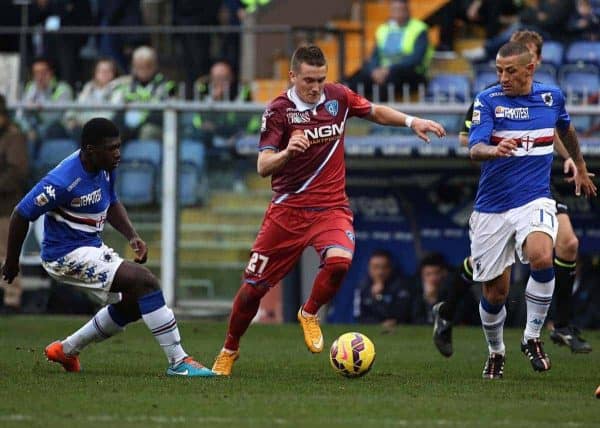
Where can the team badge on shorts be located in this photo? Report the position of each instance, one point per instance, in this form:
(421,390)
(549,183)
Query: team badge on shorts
(350,235)
(332,107)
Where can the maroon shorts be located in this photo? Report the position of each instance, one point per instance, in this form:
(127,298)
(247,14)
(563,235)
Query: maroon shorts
(286,232)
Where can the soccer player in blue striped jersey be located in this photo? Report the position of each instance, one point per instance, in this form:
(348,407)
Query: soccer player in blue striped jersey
(565,250)
(512,133)
(77,198)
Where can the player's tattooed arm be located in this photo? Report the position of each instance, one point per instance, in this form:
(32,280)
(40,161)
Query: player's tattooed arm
(482,152)
(583,179)
(571,143)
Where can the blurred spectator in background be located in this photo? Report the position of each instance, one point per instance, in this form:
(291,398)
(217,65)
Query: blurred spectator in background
(145,84)
(220,85)
(232,13)
(45,89)
(436,278)
(491,14)
(549,19)
(97,90)
(63,49)
(220,129)
(433,273)
(195,47)
(120,13)
(382,297)
(402,54)
(13,179)
(584,23)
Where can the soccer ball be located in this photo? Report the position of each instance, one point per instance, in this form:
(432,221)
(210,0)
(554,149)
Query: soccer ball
(352,354)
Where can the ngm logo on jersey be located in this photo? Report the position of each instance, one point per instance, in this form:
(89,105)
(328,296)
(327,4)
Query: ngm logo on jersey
(517,113)
(325,133)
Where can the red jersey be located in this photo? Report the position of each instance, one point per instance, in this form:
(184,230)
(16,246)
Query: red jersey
(317,177)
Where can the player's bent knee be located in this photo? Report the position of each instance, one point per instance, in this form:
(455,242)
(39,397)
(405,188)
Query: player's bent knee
(496,296)
(337,268)
(541,261)
(252,292)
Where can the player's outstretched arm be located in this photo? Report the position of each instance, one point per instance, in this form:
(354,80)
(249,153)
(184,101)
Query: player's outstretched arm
(17,231)
(582,180)
(117,217)
(385,115)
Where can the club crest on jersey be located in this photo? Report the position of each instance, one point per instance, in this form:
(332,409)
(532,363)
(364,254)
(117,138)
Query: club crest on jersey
(547,97)
(296,117)
(350,235)
(527,142)
(332,107)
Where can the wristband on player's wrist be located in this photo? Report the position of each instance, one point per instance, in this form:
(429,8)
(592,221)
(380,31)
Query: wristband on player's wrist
(408,121)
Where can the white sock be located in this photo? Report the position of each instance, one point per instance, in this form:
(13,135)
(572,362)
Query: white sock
(99,328)
(493,326)
(538,295)
(163,325)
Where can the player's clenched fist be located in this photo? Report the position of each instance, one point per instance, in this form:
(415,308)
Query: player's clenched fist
(298,143)
(506,148)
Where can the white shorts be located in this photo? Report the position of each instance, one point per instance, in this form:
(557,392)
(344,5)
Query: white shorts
(89,268)
(496,236)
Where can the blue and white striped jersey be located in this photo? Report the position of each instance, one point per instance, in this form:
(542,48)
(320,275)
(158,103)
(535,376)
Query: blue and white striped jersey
(530,120)
(75,203)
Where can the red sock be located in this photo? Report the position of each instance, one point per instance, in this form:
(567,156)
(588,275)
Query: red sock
(245,307)
(327,283)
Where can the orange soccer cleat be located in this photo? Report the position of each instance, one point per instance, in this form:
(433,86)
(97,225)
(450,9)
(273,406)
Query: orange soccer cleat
(54,352)
(312,332)
(224,362)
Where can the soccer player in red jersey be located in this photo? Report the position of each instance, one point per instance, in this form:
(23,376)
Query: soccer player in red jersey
(302,148)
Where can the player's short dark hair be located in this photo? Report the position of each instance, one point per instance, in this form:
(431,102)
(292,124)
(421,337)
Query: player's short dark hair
(310,55)
(529,36)
(513,49)
(380,252)
(433,259)
(97,130)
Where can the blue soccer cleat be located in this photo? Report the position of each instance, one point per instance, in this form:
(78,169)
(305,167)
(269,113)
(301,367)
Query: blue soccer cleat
(190,368)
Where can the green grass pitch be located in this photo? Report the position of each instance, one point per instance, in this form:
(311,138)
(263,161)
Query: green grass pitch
(278,383)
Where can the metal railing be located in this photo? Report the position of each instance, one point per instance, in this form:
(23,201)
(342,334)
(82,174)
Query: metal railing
(170,164)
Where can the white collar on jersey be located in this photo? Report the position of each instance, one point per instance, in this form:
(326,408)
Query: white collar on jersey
(301,105)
